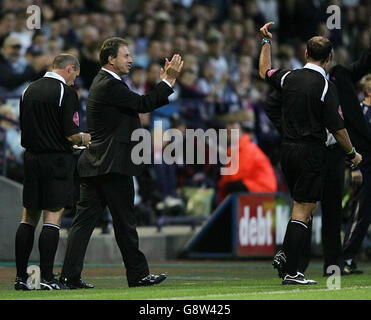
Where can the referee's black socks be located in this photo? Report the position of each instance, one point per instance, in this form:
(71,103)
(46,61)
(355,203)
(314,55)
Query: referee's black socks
(48,244)
(24,239)
(294,244)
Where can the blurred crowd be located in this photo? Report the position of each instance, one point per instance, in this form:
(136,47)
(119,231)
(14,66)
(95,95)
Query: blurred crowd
(219,84)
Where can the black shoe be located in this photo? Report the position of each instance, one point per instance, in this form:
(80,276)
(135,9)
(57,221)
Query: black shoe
(53,284)
(21,284)
(150,280)
(299,278)
(279,263)
(77,283)
(352,268)
(328,274)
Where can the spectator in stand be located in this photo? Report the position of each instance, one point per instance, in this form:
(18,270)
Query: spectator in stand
(89,62)
(255,172)
(40,39)
(154,53)
(148,30)
(153,75)
(7,25)
(15,70)
(13,137)
(54,47)
(216,58)
(137,80)
(209,86)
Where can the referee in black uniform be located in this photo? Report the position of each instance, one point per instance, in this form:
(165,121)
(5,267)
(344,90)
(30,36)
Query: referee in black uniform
(49,124)
(310,105)
(345,79)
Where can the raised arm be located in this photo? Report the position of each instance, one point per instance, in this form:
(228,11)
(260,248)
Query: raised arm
(265,54)
(362,66)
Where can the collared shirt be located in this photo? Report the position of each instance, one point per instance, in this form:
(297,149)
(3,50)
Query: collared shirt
(315,67)
(54,75)
(309,103)
(113,74)
(366,112)
(48,114)
(116,76)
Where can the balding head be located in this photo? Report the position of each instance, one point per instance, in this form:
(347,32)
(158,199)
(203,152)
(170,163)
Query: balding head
(63,60)
(319,49)
(67,66)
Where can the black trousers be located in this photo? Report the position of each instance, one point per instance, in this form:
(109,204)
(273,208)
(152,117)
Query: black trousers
(360,219)
(116,191)
(331,206)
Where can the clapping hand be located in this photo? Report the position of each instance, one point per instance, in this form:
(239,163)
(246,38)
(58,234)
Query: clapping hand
(172,69)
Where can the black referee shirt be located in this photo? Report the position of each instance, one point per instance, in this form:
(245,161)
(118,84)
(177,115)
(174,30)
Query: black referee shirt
(310,103)
(48,114)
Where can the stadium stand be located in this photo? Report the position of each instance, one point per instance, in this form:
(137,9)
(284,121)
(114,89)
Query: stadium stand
(219,42)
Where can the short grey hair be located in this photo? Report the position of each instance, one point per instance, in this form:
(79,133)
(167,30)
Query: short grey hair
(63,60)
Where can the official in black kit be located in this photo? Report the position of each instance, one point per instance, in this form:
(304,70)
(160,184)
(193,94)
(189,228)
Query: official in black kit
(106,168)
(49,125)
(309,106)
(345,78)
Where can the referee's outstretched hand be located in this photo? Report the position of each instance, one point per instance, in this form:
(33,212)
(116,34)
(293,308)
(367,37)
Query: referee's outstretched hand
(356,160)
(264,31)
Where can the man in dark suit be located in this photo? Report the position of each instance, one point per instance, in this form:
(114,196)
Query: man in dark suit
(106,168)
(345,79)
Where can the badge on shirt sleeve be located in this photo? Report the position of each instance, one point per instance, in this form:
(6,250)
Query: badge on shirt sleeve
(76,118)
(340,112)
(270,72)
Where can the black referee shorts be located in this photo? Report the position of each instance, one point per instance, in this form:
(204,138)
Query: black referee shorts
(48,180)
(304,166)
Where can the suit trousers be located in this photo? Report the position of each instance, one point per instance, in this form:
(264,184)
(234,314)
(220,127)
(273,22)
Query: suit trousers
(331,206)
(117,192)
(360,219)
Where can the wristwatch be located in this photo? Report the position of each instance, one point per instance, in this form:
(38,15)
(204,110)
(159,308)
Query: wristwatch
(266,41)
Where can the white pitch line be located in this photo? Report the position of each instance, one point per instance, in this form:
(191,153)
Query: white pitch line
(258,293)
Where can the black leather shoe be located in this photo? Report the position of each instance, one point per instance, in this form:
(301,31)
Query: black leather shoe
(351,268)
(53,284)
(149,280)
(21,284)
(77,283)
(279,263)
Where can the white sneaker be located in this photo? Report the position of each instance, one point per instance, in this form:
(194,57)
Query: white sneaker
(299,278)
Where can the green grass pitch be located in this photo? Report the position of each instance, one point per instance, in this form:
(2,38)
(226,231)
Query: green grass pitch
(198,280)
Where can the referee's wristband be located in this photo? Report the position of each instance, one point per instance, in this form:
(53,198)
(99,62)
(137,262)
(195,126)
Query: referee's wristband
(266,41)
(351,154)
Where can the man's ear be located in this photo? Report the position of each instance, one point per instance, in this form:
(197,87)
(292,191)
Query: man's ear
(110,60)
(306,54)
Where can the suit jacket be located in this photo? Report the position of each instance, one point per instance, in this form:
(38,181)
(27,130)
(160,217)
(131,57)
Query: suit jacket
(112,115)
(345,79)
